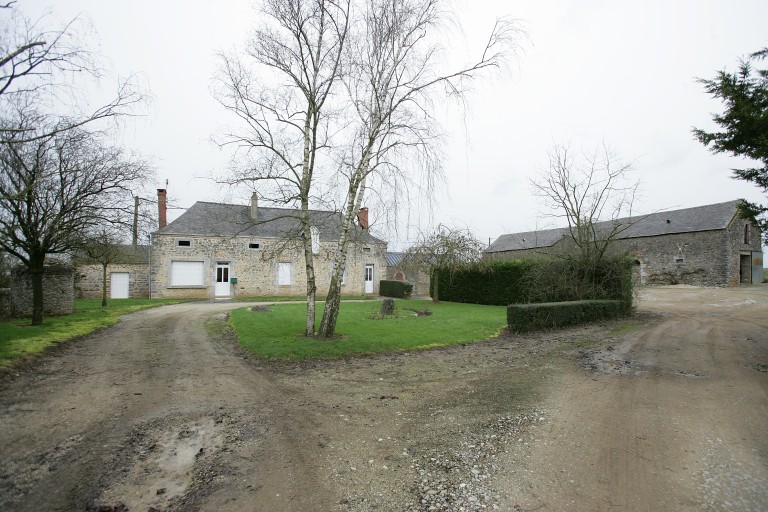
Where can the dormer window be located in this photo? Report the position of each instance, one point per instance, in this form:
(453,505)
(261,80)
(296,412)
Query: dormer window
(315,234)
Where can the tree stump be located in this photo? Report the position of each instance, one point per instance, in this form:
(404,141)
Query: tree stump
(387,307)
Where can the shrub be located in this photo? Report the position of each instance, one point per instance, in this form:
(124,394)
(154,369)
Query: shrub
(537,280)
(550,315)
(396,289)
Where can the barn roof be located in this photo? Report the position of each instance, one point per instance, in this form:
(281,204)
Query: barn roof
(700,218)
(230,220)
(393,258)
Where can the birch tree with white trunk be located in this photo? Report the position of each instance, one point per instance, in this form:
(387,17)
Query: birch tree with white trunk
(280,89)
(392,73)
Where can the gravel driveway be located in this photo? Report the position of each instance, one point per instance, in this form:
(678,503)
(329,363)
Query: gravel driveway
(666,411)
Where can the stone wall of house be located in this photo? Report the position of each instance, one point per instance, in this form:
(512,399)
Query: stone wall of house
(88,280)
(58,290)
(256,268)
(5,302)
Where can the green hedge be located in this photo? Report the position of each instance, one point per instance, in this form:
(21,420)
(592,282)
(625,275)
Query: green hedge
(396,289)
(550,315)
(502,283)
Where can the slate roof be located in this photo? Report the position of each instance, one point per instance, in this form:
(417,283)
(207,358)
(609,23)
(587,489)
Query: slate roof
(230,220)
(700,218)
(393,258)
(126,254)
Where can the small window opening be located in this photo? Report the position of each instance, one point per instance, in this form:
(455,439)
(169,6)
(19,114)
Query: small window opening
(366,249)
(184,243)
(679,259)
(253,245)
(746,233)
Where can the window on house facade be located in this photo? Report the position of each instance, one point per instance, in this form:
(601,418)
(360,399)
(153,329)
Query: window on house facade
(183,243)
(315,235)
(679,259)
(284,274)
(746,233)
(187,273)
(343,275)
(254,245)
(366,249)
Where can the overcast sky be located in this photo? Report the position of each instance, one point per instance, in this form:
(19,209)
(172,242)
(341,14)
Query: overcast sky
(590,71)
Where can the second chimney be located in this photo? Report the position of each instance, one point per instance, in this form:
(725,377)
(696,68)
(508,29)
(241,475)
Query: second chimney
(162,208)
(362,217)
(254,206)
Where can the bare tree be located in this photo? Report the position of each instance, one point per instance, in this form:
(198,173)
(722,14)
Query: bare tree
(36,68)
(57,188)
(286,120)
(592,192)
(443,250)
(391,75)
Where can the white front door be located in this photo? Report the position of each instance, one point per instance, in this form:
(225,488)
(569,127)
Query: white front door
(222,287)
(119,285)
(369,278)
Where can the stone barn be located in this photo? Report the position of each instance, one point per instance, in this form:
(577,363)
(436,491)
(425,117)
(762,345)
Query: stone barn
(396,271)
(707,245)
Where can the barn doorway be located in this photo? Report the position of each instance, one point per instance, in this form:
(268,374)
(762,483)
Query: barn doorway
(745,269)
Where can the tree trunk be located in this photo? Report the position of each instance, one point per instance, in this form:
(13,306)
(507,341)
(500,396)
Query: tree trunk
(309,329)
(104,285)
(36,276)
(436,287)
(333,301)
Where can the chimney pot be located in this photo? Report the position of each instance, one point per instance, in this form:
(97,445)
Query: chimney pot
(254,206)
(362,218)
(162,208)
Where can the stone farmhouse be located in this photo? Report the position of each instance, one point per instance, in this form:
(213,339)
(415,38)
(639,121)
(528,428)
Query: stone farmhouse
(216,250)
(707,246)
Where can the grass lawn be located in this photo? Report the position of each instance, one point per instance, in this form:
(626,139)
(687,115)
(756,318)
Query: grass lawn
(19,339)
(277,333)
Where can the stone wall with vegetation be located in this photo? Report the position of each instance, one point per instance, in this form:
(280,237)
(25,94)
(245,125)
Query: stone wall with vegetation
(256,268)
(58,290)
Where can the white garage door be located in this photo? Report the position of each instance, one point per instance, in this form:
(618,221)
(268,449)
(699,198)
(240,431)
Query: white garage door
(119,285)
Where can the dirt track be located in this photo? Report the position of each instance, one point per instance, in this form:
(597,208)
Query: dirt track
(666,412)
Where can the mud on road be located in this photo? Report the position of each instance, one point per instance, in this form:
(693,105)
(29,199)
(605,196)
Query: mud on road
(666,411)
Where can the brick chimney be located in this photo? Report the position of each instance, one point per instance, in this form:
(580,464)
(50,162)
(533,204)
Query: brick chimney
(162,208)
(254,206)
(362,217)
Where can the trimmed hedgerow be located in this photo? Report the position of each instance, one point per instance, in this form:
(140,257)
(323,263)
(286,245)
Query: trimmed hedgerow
(551,315)
(537,281)
(396,289)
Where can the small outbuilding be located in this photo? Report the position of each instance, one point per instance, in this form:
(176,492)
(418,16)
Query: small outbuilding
(709,245)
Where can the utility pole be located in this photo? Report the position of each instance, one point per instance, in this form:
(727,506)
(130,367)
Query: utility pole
(135,221)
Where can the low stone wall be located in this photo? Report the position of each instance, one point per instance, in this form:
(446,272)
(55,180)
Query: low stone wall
(5,302)
(58,290)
